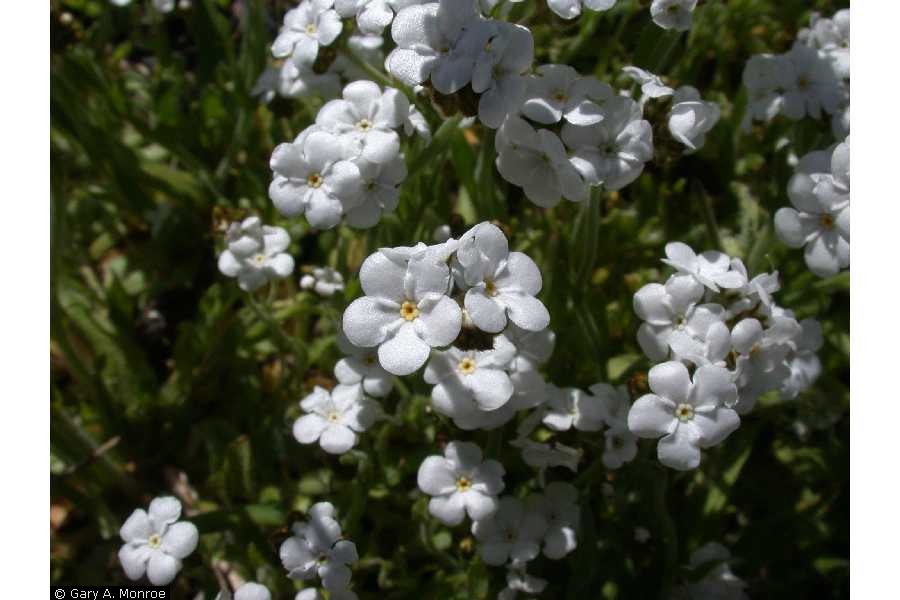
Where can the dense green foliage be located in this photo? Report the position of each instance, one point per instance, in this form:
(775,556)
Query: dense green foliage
(165,378)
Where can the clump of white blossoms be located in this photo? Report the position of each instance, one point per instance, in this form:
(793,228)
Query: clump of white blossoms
(255,253)
(324,281)
(673,14)
(812,77)
(156,541)
(652,85)
(317,548)
(820,218)
(570,407)
(335,418)
(558,504)
(711,316)
(461,483)
(313,23)
(620,443)
(348,165)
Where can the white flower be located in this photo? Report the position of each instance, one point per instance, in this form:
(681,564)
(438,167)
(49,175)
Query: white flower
(812,86)
(559,507)
(711,268)
(688,415)
(309,594)
(820,219)
(512,533)
(441,233)
(537,162)
(758,291)
(497,72)
(832,38)
(325,281)
(761,355)
(252,591)
(569,9)
(155,542)
(311,24)
(466,381)
(255,254)
(673,14)
(313,178)
(503,284)
(461,483)
(652,85)
(334,418)
(672,307)
(620,443)
(690,118)
(316,548)
(765,76)
(528,350)
(366,119)
(804,365)
(361,368)
(570,407)
(380,191)
(405,311)
(558,92)
(429,45)
(612,152)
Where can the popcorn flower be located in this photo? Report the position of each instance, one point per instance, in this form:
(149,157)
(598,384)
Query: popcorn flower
(570,407)
(255,254)
(559,506)
(558,92)
(687,414)
(156,542)
(313,177)
(311,24)
(673,14)
(316,548)
(690,118)
(405,311)
(361,368)
(514,532)
(334,418)
(466,381)
(324,281)
(460,483)
(711,268)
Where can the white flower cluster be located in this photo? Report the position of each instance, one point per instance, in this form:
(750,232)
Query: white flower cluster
(820,218)
(317,549)
(812,77)
(156,541)
(348,165)
(163,6)
(255,253)
(450,45)
(739,343)
(668,14)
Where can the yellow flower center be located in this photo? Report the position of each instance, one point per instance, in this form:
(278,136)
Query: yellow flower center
(684,412)
(827,221)
(559,96)
(364,125)
(467,366)
(333,417)
(409,311)
(311,28)
(315,180)
(259,259)
(155,541)
(463,484)
(490,287)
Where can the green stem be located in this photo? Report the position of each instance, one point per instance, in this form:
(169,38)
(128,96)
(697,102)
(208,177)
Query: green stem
(288,344)
(669,537)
